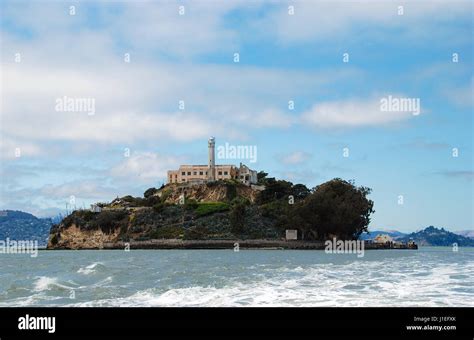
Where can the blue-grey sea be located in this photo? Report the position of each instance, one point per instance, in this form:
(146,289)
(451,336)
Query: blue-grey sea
(430,276)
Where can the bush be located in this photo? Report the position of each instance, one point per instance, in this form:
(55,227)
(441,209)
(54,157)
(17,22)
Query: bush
(240,200)
(165,194)
(231,190)
(134,201)
(161,206)
(152,200)
(167,232)
(54,239)
(149,192)
(237,218)
(107,221)
(207,208)
(191,204)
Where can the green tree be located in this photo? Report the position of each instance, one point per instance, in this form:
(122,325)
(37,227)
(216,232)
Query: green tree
(275,190)
(335,209)
(261,177)
(149,192)
(300,191)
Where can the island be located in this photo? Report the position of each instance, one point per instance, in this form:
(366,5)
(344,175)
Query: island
(223,206)
(221,214)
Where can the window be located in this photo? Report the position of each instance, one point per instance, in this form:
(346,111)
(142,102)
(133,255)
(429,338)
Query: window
(183,180)
(183,174)
(189,173)
(225,173)
(206,173)
(220,173)
(200,173)
(195,173)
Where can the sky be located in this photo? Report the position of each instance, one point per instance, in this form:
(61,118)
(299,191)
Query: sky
(302,81)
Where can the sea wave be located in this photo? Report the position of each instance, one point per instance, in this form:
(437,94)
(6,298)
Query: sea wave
(92,268)
(348,285)
(432,277)
(47,283)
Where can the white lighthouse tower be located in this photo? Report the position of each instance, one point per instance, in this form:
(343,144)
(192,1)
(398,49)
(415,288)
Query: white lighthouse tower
(211,171)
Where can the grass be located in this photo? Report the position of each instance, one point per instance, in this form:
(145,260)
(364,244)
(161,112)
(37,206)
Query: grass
(207,208)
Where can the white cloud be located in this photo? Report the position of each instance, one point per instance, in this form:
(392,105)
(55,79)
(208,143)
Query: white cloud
(272,118)
(462,96)
(145,166)
(296,157)
(326,20)
(9,146)
(140,101)
(352,113)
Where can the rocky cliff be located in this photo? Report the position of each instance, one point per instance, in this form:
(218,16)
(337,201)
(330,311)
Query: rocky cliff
(198,212)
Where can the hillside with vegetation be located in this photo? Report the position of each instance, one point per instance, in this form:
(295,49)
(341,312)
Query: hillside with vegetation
(432,236)
(221,210)
(20,226)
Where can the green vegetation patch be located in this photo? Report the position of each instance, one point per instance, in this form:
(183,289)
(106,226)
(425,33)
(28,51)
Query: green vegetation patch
(167,232)
(207,208)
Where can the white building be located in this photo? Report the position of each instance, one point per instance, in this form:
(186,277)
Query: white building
(383,239)
(212,172)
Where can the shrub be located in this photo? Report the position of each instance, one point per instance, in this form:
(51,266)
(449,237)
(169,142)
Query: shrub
(207,208)
(54,239)
(149,192)
(231,190)
(165,194)
(134,201)
(240,200)
(167,232)
(152,200)
(107,221)
(159,207)
(237,218)
(191,204)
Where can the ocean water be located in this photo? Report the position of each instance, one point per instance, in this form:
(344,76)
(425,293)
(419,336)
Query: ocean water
(431,276)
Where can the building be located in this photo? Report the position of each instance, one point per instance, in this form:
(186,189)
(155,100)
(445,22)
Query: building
(212,172)
(383,239)
(95,208)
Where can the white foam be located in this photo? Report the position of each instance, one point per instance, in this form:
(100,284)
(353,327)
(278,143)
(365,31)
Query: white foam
(353,284)
(90,269)
(47,283)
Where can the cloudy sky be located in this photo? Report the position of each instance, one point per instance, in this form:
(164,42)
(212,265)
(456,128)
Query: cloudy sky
(306,91)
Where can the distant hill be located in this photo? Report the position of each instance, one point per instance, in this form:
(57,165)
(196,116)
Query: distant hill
(19,225)
(372,234)
(432,236)
(465,233)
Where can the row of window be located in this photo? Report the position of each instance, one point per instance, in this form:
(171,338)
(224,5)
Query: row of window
(201,173)
(194,173)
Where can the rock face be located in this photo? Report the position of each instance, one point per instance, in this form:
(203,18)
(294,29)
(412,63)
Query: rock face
(205,214)
(76,238)
(212,192)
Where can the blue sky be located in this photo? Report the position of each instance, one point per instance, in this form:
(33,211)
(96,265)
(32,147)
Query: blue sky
(283,57)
